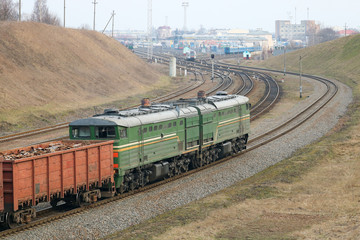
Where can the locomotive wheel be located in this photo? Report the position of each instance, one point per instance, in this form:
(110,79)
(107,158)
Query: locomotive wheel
(185,167)
(132,186)
(122,189)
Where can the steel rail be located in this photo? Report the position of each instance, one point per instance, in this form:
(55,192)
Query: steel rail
(331,92)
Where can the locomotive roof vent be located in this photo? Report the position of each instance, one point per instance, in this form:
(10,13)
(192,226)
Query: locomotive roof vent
(111,111)
(221,93)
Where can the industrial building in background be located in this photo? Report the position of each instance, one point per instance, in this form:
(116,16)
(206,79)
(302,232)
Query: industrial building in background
(286,31)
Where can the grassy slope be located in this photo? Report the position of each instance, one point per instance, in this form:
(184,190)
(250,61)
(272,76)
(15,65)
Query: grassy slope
(46,72)
(314,194)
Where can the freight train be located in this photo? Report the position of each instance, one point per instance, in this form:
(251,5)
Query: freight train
(77,172)
(139,146)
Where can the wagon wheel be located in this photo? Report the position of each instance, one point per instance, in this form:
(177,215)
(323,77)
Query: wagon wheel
(9,222)
(54,202)
(78,200)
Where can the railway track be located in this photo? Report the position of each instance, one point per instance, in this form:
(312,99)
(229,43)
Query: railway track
(247,85)
(272,90)
(166,97)
(255,142)
(50,215)
(268,100)
(226,80)
(224,83)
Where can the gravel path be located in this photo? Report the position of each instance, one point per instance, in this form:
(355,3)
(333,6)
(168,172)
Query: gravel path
(119,215)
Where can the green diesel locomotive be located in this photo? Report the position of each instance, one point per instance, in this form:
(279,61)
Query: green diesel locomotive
(155,141)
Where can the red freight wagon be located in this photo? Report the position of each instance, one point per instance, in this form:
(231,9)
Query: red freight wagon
(82,173)
(1,192)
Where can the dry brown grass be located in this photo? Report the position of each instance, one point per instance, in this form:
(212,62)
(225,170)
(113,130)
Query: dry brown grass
(47,70)
(315,194)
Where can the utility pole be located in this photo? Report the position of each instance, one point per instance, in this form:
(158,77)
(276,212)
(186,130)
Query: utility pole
(300,77)
(212,67)
(19,10)
(345,29)
(112,30)
(111,18)
(40,6)
(185,5)
(64,13)
(284,60)
(308,14)
(149,29)
(238,55)
(94,13)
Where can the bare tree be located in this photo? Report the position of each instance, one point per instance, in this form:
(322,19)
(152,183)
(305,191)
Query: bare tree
(326,34)
(8,10)
(85,27)
(41,14)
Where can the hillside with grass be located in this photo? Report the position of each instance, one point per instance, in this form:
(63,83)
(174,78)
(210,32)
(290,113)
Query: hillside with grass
(315,194)
(49,72)
(339,59)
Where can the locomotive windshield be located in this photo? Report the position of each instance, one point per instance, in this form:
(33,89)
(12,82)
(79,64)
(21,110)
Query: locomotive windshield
(105,132)
(81,132)
(97,132)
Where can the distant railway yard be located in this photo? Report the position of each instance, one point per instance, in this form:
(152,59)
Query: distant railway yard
(280,124)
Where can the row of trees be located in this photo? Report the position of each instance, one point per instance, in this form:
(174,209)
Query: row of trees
(9,11)
(324,35)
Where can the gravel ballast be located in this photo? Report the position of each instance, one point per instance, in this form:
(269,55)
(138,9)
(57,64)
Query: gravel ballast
(113,217)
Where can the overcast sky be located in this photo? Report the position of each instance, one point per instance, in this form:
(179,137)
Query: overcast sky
(132,14)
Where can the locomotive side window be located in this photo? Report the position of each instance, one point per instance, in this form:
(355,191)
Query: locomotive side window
(123,133)
(169,125)
(105,132)
(181,122)
(150,129)
(81,132)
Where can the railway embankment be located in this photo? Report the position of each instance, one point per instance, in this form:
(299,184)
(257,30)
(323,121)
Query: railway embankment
(52,74)
(313,193)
